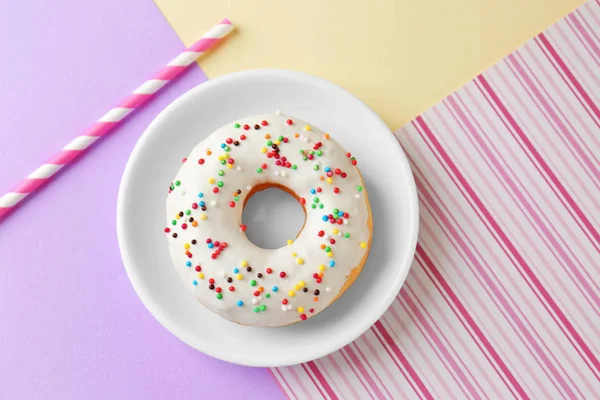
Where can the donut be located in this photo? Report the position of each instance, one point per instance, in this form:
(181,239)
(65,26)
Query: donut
(232,276)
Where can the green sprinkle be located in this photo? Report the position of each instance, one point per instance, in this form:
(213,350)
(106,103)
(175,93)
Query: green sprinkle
(221,172)
(174,222)
(236,198)
(316,199)
(269,143)
(302,152)
(227,148)
(313,206)
(252,282)
(335,211)
(319,153)
(263,307)
(321,206)
(172,187)
(220,184)
(222,162)
(256,309)
(177,183)
(280,138)
(219,296)
(316,167)
(359,188)
(327,249)
(312,152)
(346,235)
(259,170)
(268,296)
(305,158)
(188,212)
(236,126)
(294,166)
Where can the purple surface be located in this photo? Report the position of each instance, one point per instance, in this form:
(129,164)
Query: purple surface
(71,325)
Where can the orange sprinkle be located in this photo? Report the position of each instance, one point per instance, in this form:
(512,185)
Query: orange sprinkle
(296,135)
(321,178)
(261,289)
(187,252)
(208,152)
(194,223)
(326,136)
(320,274)
(315,298)
(267,136)
(323,247)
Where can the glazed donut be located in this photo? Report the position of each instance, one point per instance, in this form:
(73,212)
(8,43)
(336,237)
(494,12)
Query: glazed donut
(209,249)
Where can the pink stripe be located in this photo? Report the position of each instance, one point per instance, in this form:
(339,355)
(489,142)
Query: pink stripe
(281,381)
(203,44)
(342,374)
(577,27)
(351,368)
(518,196)
(321,379)
(372,372)
(396,350)
(363,371)
(135,100)
(5,210)
(505,240)
(169,72)
(64,157)
(29,185)
(563,66)
(536,94)
(299,382)
(316,385)
(100,129)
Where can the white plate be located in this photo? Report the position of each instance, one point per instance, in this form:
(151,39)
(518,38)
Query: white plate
(192,117)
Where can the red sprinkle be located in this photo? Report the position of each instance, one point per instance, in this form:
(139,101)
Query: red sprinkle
(225,244)
(232,288)
(243,227)
(354,162)
(346,215)
(269,271)
(198,268)
(211,281)
(217,243)
(321,233)
(256,293)
(303,317)
(289,122)
(312,310)
(194,205)
(232,204)
(264,166)
(348,155)
(302,200)
(264,123)
(332,241)
(336,190)
(213,256)
(215,189)
(231,161)
(284,301)
(184,160)
(209,240)
(282,274)
(319,190)
(339,221)
(315,275)
(218,290)
(330,174)
(288,165)
(338,171)
(344,175)
(285,140)
(229,140)
(319,280)
(246,127)
(183,226)
(201,161)
(167,230)
(243,137)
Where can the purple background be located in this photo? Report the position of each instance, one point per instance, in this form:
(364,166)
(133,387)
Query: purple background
(71,325)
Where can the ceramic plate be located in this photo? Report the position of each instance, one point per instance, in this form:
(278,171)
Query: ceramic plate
(188,120)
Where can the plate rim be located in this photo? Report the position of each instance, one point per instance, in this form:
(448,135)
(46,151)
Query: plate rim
(151,304)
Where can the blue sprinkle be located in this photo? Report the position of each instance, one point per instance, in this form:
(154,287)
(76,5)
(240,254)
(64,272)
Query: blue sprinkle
(211,245)
(332,263)
(313,191)
(275,288)
(200,194)
(188,264)
(223,145)
(240,303)
(202,204)
(327,169)
(235,270)
(195,283)
(325,218)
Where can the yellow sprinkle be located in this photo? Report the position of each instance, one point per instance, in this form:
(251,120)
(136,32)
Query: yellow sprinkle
(244,263)
(203,217)
(329,180)
(177,216)
(335,231)
(263,149)
(229,166)
(290,241)
(363,245)
(201,275)
(297,287)
(330,254)
(302,283)
(326,136)
(239,277)
(294,254)
(300,261)
(221,158)
(300,309)
(291,293)
(186,246)
(211,180)
(321,267)
(307,128)
(225,155)
(277,142)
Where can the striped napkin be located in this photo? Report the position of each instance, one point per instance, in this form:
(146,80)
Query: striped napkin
(503,299)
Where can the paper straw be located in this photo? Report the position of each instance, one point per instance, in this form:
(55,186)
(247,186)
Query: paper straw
(113,118)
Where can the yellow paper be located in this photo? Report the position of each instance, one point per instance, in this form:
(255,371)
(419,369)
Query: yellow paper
(398,56)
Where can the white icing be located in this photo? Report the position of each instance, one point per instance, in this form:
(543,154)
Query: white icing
(223,223)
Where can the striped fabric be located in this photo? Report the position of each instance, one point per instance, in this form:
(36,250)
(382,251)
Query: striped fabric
(503,299)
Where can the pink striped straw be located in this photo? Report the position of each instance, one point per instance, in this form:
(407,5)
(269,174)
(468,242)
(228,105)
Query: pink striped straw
(113,118)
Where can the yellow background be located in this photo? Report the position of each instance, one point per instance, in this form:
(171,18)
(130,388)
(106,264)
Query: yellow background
(399,56)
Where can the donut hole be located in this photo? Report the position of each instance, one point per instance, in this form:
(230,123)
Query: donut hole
(272,216)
